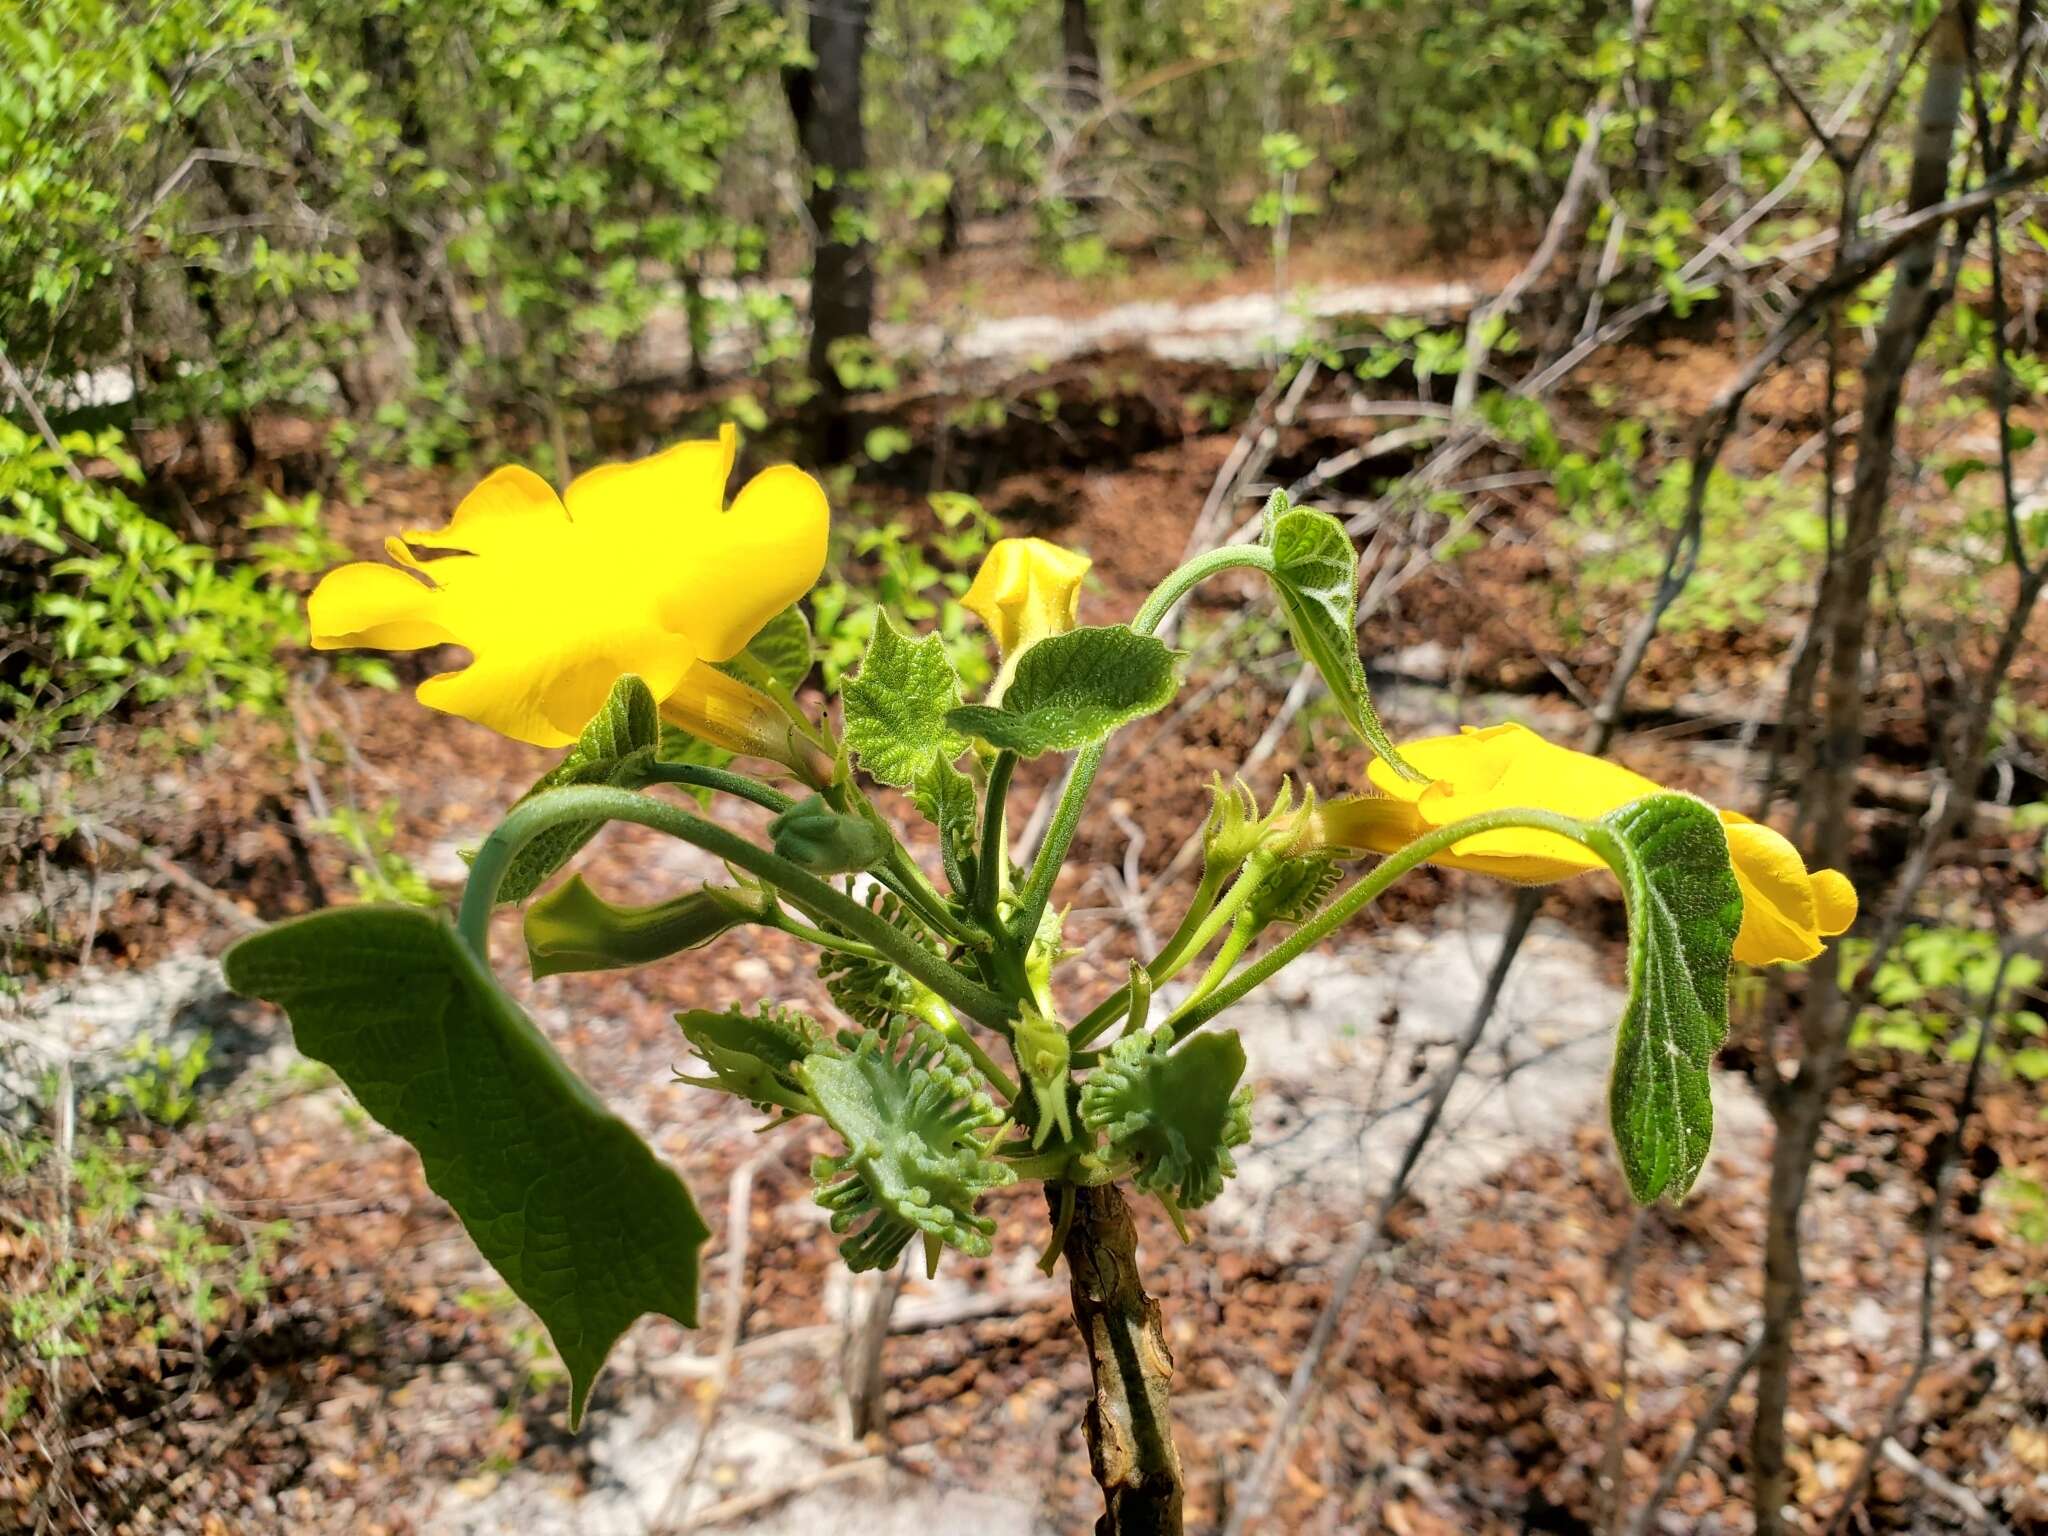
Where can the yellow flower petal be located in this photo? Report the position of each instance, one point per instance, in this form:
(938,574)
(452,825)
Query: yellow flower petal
(747,565)
(1025,590)
(1787,912)
(641,570)
(373,605)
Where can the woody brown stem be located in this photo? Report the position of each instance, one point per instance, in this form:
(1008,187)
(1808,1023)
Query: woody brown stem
(1129,1422)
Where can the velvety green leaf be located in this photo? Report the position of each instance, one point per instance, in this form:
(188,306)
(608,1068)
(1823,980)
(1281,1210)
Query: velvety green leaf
(896,706)
(615,748)
(1175,1111)
(944,796)
(1073,689)
(572,928)
(1684,909)
(587,1226)
(784,647)
(1315,574)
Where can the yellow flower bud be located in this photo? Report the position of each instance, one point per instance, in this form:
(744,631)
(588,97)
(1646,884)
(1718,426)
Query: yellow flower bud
(1025,590)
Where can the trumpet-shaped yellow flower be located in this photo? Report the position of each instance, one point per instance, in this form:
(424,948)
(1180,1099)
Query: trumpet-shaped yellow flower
(636,568)
(1787,911)
(1025,590)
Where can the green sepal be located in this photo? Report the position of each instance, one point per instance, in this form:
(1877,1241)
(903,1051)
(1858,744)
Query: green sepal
(1043,1055)
(813,836)
(616,748)
(1174,1112)
(572,928)
(896,706)
(1670,852)
(755,1056)
(586,1225)
(909,1114)
(1073,689)
(1315,575)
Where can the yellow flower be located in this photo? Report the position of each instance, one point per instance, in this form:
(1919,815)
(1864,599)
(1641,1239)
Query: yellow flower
(1025,590)
(636,568)
(1786,911)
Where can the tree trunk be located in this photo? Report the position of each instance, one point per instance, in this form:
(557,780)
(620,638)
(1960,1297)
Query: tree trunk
(1129,1422)
(1083,60)
(825,101)
(1800,1107)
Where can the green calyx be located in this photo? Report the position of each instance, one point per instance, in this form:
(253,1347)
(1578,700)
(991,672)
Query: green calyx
(911,1111)
(1172,1113)
(755,1056)
(1235,832)
(813,836)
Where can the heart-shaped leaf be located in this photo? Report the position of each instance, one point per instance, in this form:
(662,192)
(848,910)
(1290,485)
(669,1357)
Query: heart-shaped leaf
(1073,689)
(896,706)
(1684,909)
(1315,574)
(587,1226)
(615,748)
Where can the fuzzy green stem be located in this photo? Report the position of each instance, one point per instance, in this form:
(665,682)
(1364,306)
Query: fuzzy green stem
(554,807)
(1193,1014)
(723,781)
(988,868)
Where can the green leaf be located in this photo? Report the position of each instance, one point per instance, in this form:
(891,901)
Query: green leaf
(755,1056)
(896,706)
(1684,909)
(572,928)
(1174,1111)
(1315,574)
(783,647)
(914,1162)
(587,1226)
(615,748)
(944,796)
(1073,689)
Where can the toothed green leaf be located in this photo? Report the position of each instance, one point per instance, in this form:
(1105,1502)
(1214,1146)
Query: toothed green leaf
(587,1226)
(944,796)
(1684,909)
(1315,574)
(896,706)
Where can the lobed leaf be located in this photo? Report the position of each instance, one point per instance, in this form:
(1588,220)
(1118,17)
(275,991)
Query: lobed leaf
(1684,909)
(1174,1111)
(586,1225)
(755,1056)
(1073,689)
(896,706)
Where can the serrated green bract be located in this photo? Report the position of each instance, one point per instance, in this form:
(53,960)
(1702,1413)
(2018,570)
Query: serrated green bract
(913,1163)
(784,648)
(1684,909)
(1292,891)
(572,928)
(615,748)
(755,1056)
(587,1226)
(1315,574)
(1175,1112)
(896,706)
(1073,689)
(945,797)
